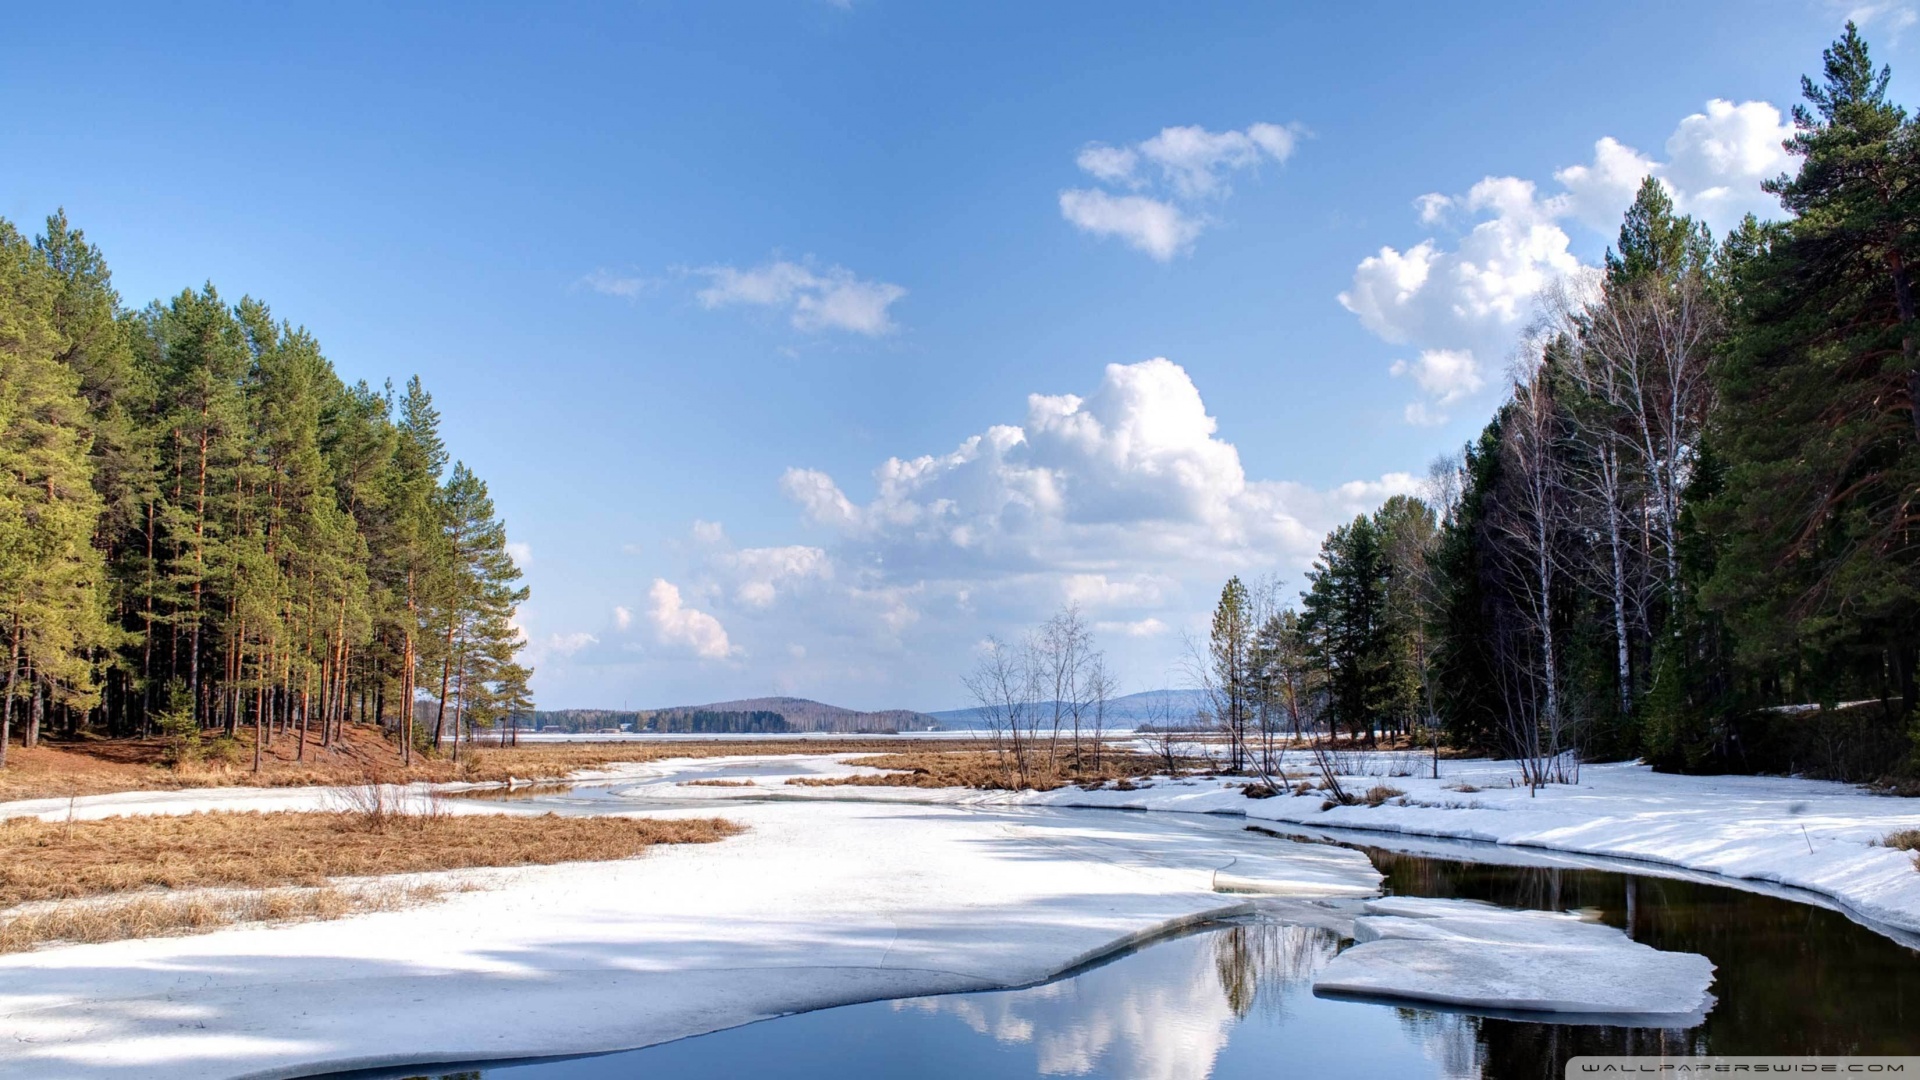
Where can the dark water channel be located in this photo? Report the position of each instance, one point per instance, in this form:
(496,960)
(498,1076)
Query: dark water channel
(1236,1001)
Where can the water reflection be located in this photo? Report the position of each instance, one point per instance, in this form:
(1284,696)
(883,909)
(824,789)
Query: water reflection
(1163,1014)
(1790,978)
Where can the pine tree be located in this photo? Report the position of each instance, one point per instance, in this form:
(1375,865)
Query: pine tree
(1819,580)
(1231,676)
(52,578)
(1344,617)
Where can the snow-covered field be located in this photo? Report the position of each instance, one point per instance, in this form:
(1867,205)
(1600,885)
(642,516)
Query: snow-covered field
(835,895)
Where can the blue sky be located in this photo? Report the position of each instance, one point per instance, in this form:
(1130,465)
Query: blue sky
(686,277)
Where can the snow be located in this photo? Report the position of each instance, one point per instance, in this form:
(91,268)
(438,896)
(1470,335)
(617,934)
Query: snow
(1771,832)
(1478,957)
(817,904)
(841,894)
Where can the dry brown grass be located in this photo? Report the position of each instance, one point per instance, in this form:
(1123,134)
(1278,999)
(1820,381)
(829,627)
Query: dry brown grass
(157,915)
(987,770)
(67,860)
(716,783)
(1380,793)
(1905,840)
(90,766)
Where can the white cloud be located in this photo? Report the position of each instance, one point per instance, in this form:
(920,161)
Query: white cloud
(1147,627)
(677,624)
(625,286)
(622,617)
(1125,498)
(829,299)
(521,554)
(1194,160)
(1464,305)
(1102,591)
(1433,207)
(709,533)
(1447,375)
(568,644)
(1132,468)
(760,572)
(1110,164)
(1160,229)
(1185,168)
(1897,16)
(1598,192)
(1419,415)
(1717,159)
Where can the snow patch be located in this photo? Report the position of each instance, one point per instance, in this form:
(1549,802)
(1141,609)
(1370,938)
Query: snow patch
(1474,956)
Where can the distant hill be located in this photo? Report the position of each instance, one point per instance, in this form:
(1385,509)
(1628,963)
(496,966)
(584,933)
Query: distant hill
(751,715)
(1146,707)
(802,714)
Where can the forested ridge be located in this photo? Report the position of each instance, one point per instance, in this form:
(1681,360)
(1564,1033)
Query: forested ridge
(204,530)
(1691,531)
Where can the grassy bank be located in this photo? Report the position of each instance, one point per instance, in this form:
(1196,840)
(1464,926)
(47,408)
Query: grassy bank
(125,876)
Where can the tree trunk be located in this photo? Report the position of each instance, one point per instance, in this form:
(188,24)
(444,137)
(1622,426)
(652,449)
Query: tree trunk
(35,705)
(6,706)
(446,675)
(1621,649)
(1903,300)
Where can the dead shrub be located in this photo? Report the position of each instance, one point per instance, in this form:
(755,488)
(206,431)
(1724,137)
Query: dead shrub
(1257,791)
(1905,840)
(1380,793)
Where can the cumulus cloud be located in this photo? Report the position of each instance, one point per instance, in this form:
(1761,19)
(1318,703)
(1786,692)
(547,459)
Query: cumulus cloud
(622,617)
(1124,497)
(1447,375)
(521,554)
(1182,169)
(833,298)
(1133,469)
(676,624)
(761,572)
(1463,304)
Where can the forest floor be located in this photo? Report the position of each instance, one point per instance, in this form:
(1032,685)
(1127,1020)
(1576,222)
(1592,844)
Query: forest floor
(87,765)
